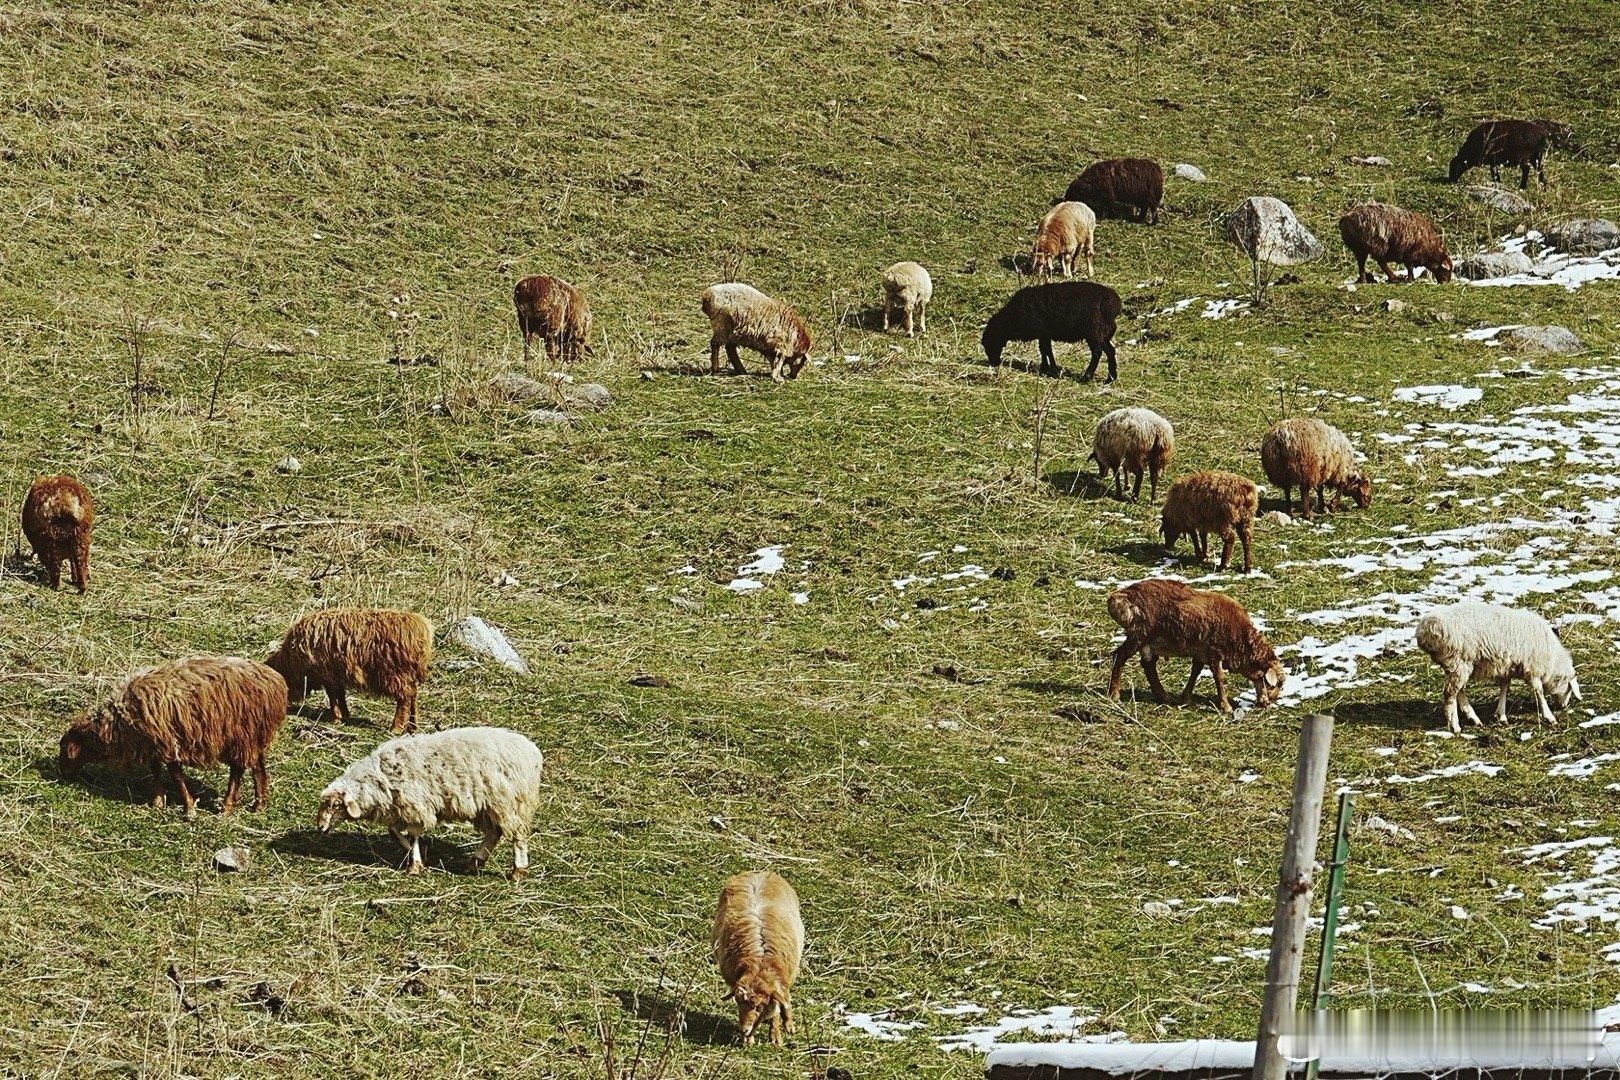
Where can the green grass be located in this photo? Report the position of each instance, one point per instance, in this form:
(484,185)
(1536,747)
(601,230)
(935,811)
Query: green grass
(285,171)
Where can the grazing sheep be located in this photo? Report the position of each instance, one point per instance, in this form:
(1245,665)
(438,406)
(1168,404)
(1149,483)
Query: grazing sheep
(1067,231)
(743,316)
(1060,311)
(1495,143)
(1169,618)
(56,518)
(202,710)
(907,289)
(1390,234)
(488,776)
(1131,440)
(758,943)
(1310,454)
(550,308)
(1211,502)
(1492,642)
(1135,185)
(369,649)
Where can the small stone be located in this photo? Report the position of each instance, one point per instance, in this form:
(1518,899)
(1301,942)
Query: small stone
(481,639)
(1554,340)
(1500,199)
(1375,161)
(1277,517)
(587,396)
(511,386)
(1584,236)
(1189,172)
(1494,264)
(230,860)
(550,416)
(1157,908)
(1393,305)
(289,465)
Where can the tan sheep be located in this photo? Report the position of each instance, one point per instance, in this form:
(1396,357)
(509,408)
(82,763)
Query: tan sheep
(555,311)
(1309,454)
(907,289)
(759,943)
(369,649)
(1066,232)
(1211,502)
(56,517)
(198,711)
(1131,440)
(744,317)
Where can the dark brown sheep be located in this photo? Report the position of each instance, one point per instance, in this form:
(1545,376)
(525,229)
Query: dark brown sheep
(202,710)
(370,649)
(1061,311)
(553,310)
(1170,618)
(1121,187)
(56,518)
(1508,142)
(1389,234)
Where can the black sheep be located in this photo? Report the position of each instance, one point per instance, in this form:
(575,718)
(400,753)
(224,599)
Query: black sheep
(1062,311)
(1506,142)
(1135,184)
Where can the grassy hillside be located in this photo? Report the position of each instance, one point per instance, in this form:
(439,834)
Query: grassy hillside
(966,817)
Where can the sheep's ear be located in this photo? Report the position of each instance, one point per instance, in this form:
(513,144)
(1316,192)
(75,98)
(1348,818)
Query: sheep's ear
(1575,688)
(351,806)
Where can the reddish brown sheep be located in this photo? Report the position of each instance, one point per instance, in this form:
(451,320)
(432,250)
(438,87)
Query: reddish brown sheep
(1169,618)
(1132,187)
(202,710)
(758,943)
(56,518)
(1389,234)
(1211,502)
(371,649)
(1508,142)
(553,310)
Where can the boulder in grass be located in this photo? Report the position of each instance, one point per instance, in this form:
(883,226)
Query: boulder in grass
(1584,236)
(1266,230)
(1493,264)
(1189,172)
(483,640)
(586,396)
(512,386)
(1549,340)
(1500,199)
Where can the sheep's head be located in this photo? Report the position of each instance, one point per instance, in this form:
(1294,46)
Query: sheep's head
(993,344)
(1564,688)
(1041,259)
(756,1000)
(297,686)
(1268,683)
(1440,268)
(336,806)
(79,747)
(1359,488)
(1459,165)
(1169,532)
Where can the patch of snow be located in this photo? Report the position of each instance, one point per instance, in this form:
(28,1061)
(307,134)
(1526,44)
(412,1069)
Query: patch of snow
(1220,309)
(1449,398)
(1059,1020)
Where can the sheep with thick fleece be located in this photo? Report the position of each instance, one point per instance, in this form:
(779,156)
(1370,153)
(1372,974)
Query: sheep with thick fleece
(1134,186)
(1495,143)
(759,943)
(555,311)
(370,649)
(1131,440)
(1068,231)
(56,517)
(1058,311)
(907,289)
(1211,502)
(1389,234)
(742,316)
(1500,644)
(1310,454)
(488,776)
(1162,618)
(201,710)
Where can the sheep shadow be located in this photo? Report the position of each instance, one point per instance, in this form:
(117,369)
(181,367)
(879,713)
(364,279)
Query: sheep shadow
(353,846)
(867,318)
(133,787)
(1076,483)
(660,1010)
(1150,553)
(1053,687)
(1413,714)
(1064,371)
(17,564)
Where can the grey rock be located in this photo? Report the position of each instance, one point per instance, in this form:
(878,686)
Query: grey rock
(1500,199)
(1393,305)
(1374,162)
(589,396)
(1189,172)
(289,465)
(551,416)
(1265,229)
(1276,517)
(1555,340)
(511,386)
(229,860)
(1584,236)
(483,640)
(1493,264)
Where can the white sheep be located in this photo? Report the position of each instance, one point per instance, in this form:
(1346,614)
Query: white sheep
(1492,642)
(907,288)
(742,316)
(488,776)
(1067,231)
(1131,440)
(1307,453)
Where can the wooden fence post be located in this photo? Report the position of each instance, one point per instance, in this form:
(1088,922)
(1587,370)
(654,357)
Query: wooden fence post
(1294,886)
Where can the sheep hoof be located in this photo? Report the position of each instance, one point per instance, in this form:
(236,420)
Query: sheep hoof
(518,873)
(191,813)
(413,869)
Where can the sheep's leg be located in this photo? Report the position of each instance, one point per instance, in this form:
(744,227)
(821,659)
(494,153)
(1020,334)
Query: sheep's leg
(415,864)
(159,785)
(334,703)
(1288,498)
(1540,691)
(1119,487)
(1122,656)
(911,322)
(1091,368)
(492,836)
(520,854)
(714,356)
(232,790)
(1541,173)
(1496,173)
(261,785)
(1228,538)
(1524,175)
(1248,558)
(1090,264)
(1049,362)
(1113,361)
(177,774)
(404,712)
(1153,483)
(888,308)
(1455,681)
(1361,271)
(1220,686)
(1389,275)
(776,369)
(776,1025)
(1467,706)
(1150,665)
(1321,500)
(552,343)
(786,1005)
(735,360)
(1136,492)
(1501,699)
(79,563)
(528,337)
(53,571)
(922,318)
(1192,681)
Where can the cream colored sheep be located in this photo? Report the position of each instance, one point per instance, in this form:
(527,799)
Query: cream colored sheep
(907,289)
(1497,644)
(759,943)
(1131,440)
(742,316)
(1067,232)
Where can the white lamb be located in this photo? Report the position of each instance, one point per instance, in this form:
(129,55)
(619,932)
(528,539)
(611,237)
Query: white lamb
(1489,641)
(488,776)
(907,289)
